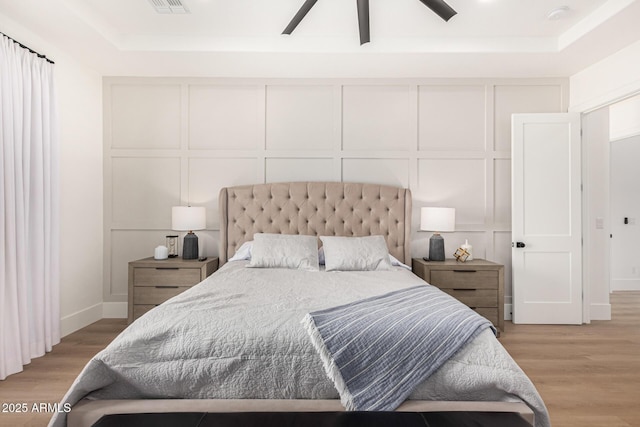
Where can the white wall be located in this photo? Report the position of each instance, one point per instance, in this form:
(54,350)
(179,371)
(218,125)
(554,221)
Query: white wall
(79,98)
(624,118)
(179,140)
(80,106)
(593,89)
(612,79)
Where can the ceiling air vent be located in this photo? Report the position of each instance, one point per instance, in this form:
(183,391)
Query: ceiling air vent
(169,6)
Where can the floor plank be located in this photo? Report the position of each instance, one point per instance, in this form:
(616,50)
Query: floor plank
(588,375)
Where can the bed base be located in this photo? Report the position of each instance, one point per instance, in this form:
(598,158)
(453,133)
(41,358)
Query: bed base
(87,412)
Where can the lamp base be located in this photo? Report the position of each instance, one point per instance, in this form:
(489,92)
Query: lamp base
(190,246)
(436,248)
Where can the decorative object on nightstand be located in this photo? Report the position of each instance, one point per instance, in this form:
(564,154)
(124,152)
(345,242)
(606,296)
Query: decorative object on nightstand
(188,218)
(152,282)
(172,245)
(478,284)
(438,220)
(161,252)
(467,247)
(461,255)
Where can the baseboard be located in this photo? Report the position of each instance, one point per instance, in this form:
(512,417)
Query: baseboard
(600,311)
(114,310)
(80,319)
(625,285)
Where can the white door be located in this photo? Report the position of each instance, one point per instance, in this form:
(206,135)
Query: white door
(546,218)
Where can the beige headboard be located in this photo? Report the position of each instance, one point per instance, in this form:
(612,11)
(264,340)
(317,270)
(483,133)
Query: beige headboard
(316,209)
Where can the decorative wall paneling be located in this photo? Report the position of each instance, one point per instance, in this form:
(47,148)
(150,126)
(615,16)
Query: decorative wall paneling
(170,141)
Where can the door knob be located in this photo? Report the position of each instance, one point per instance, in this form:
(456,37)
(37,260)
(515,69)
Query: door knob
(520,245)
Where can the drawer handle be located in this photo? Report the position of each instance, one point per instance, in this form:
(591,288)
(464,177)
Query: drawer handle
(167,287)
(465,289)
(465,271)
(167,268)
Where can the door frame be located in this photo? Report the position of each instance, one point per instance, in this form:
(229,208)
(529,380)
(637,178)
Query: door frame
(601,311)
(596,246)
(586,236)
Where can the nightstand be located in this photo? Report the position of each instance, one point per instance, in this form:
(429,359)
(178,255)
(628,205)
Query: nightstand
(478,283)
(152,281)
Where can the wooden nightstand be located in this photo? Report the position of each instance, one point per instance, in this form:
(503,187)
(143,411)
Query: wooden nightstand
(478,284)
(152,282)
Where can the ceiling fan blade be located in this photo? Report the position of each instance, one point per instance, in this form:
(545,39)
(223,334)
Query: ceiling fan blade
(363,21)
(442,9)
(306,7)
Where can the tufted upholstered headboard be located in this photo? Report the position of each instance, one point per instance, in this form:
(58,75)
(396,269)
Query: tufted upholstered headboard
(316,209)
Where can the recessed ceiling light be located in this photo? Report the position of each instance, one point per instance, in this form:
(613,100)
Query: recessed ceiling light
(558,13)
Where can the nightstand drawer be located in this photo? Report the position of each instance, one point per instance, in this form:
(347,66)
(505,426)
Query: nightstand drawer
(474,298)
(156,294)
(162,276)
(464,279)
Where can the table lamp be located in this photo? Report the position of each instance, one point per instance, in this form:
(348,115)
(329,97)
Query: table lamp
(437,220)
(188,218)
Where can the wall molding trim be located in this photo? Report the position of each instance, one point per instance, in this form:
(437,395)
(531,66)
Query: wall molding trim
(177,141)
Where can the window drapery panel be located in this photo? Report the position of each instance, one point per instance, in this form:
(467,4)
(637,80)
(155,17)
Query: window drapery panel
(29,225)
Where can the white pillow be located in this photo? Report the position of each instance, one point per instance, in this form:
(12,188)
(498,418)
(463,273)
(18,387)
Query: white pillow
(355,253)
(243,253)
(284,251)
(394,261)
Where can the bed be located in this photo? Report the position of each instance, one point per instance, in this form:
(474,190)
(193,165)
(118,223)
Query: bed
(234,343)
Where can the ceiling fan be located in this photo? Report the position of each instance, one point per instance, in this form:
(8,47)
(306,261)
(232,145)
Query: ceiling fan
(439,7)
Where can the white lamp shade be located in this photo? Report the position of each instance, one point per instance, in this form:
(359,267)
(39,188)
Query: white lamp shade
(438,219)
(188,218)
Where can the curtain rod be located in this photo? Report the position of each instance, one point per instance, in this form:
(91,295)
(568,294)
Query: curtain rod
(28,48)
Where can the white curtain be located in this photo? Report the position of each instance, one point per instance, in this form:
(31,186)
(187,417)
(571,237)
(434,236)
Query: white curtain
(29,225)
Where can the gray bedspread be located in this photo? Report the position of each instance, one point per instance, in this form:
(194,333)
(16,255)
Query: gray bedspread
(237,335)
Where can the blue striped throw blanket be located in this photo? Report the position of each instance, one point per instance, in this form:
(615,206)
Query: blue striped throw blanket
(377,350)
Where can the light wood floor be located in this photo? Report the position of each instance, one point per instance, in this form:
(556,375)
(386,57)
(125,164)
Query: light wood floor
(589,376)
